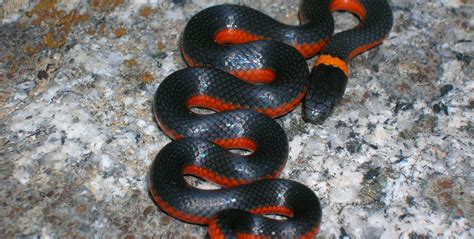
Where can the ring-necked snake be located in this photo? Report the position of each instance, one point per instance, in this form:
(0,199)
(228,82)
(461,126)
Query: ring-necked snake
(245,67)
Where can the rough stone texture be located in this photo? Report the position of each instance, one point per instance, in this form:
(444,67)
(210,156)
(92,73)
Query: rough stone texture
(77,135)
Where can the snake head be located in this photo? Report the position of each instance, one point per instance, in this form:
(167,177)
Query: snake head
(327,86)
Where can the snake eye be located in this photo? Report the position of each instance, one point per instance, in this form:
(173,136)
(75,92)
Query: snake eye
(327,86)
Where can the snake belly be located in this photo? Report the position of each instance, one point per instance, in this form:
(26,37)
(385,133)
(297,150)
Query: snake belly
(250,68)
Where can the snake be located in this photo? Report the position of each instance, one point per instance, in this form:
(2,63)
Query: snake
(248,68)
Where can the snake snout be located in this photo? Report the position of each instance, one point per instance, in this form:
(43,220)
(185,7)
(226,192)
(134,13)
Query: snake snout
(317,113)
(327,86)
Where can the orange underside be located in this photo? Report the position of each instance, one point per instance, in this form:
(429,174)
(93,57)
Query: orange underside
(217,105)
(312,233)
(211,176)
(189,60)
(353,6)
(204,220)
(280,210)
(236,36)
(223,181)
(364,48)
(215,232)
(256,76)
(166,130)
(239,143)
(175,213)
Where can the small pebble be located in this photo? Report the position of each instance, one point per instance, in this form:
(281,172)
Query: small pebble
(440,107)
(446,89)
(42,75)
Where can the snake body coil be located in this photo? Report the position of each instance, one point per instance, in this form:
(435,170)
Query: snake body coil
(246,68)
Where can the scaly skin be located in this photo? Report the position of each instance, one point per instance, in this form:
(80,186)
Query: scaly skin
(249,68)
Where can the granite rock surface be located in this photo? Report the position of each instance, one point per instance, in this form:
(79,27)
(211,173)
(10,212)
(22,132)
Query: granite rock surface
(77,134)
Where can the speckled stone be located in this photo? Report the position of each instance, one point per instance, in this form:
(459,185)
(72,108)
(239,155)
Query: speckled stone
(77,134)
